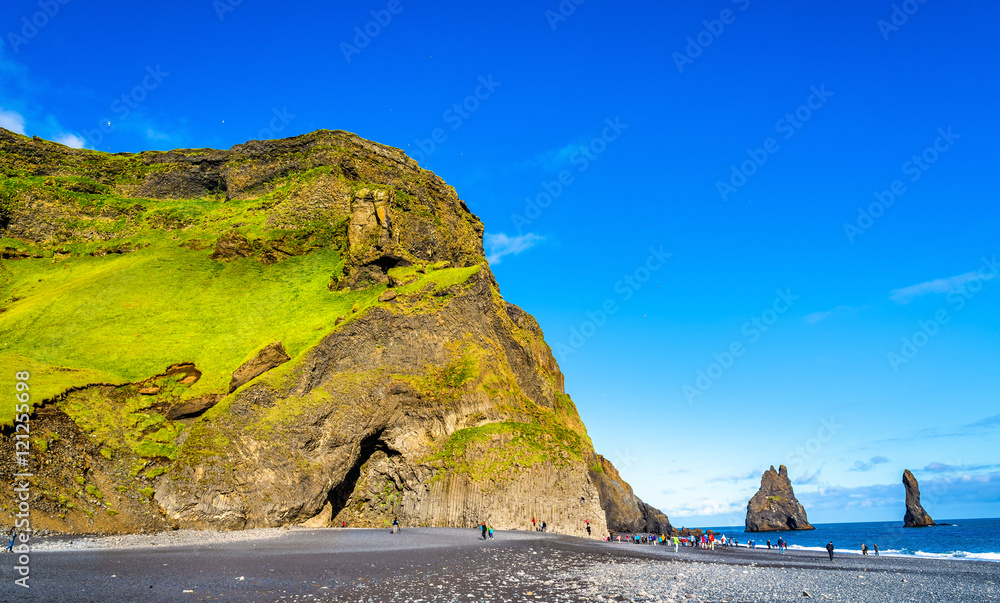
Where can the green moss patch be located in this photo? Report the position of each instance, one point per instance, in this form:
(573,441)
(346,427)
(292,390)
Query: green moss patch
(494,452)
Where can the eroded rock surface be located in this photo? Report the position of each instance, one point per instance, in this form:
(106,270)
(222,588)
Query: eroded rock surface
(272,355)
(915,516)
(774,507)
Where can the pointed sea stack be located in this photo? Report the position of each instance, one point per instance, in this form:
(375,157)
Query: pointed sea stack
(774,508)
(915,516)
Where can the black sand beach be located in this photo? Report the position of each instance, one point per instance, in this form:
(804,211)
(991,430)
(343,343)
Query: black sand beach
(439,564)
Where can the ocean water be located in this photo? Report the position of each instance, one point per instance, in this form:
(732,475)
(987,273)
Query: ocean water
(963,539)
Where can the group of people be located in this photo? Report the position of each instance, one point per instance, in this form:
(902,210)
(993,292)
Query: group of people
(487,530)
(704,541)
(662,539)
(540,526)
(781,545)
(864,549)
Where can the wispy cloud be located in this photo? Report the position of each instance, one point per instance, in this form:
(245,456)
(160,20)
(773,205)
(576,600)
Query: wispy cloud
(152,134)
(807,479)
(738,477)
(980,427)
(71,140)
(815,317)
(991,421)
(870,464)
(11,120)
(21,110)
(940,285)
(499,245)
(551,159)
(706,506)
(945,468)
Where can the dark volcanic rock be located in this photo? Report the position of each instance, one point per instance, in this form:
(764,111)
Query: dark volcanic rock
(915,516)
(774,507)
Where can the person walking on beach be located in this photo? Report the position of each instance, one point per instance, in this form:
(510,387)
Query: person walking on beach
(829,549)
(588,526)
(395,525)
(677,542)
(864,549)
(13,537)
(490,529)
(482,526)
(876,549)
(533,527)
(769,544)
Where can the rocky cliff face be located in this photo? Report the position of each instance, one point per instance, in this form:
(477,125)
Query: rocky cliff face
(294,331)
(915,516)
(774,507)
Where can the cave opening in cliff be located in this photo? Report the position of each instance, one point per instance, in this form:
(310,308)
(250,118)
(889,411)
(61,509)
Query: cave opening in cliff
(387,262)
(340,495)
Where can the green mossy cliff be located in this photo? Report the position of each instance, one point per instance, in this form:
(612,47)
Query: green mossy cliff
(293,331)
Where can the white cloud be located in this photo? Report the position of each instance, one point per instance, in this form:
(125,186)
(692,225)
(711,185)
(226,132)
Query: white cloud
(737,477)
(818,316)
(807,479)
(869,465)
(12,120)
(936,467)
(71,140)
(550,160)
(706,506)
(499,245)
(940,285)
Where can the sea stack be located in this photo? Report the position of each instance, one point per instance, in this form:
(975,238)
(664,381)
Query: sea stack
(915,516)
(774,508)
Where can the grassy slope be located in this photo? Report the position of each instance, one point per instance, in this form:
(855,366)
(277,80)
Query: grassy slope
(127,317)
(73,318)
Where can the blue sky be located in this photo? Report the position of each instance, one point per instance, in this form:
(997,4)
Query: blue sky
(753,233)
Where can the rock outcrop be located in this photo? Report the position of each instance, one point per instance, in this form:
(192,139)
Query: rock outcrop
(272,355)
(774,507)
(915,516)
(434,401)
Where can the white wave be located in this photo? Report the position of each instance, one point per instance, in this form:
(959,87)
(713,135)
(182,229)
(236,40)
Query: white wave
(960,555)
(989,556)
